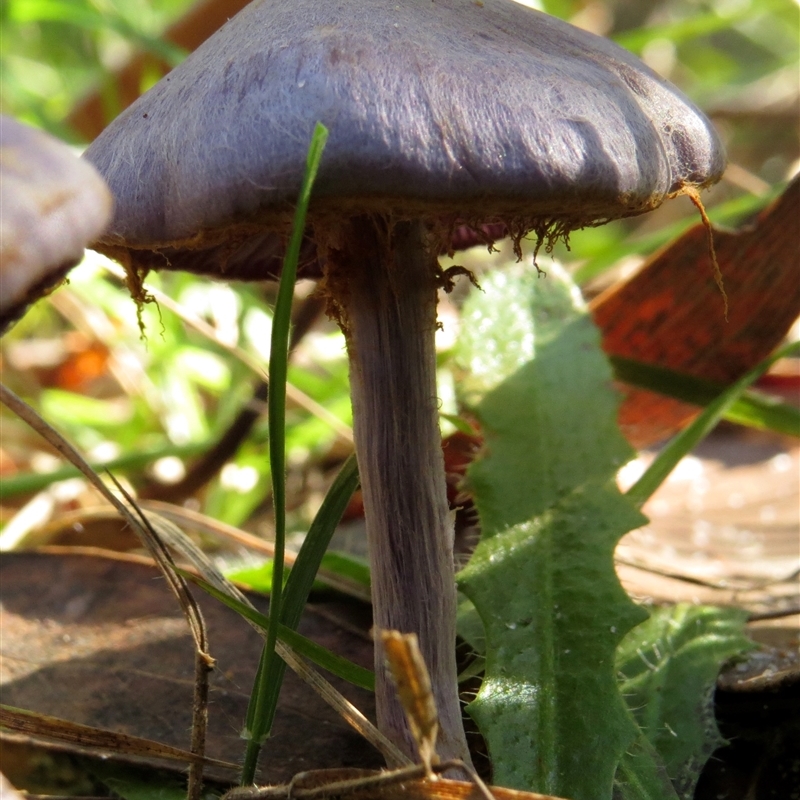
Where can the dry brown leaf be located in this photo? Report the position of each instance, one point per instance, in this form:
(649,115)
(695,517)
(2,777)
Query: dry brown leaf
(100,641)
(671,313)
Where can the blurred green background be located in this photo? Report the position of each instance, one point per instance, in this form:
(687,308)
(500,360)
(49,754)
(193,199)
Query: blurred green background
(737,58)
(174,392)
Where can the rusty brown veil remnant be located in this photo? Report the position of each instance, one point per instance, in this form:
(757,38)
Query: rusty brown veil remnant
(441,115)
(51,205)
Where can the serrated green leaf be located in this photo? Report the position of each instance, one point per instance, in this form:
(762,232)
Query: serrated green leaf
(668,668)
(28,482)
(503,325)
(641,774)
(550,426)
(470,626)
(553,612)
(542,579)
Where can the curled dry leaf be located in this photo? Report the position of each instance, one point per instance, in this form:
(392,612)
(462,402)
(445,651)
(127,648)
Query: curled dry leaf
(671,314)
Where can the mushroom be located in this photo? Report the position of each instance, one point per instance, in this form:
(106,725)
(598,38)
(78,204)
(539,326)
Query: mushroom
(441,114)
(52,205)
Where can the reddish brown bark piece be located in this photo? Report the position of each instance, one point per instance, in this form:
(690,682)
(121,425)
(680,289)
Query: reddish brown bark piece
(101,641)
(671,313)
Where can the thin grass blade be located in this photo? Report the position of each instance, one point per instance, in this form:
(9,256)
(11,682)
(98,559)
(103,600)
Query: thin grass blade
(335,664)
(256,724)
(685,441)
(302,576)
(751,408)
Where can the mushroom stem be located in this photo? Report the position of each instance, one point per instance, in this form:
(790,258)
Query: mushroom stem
(383,280)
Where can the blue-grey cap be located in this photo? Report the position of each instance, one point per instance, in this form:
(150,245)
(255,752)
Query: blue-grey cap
(450,110)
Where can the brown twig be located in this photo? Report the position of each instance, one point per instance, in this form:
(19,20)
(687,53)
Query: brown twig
(338,788)
(203,661)
(44,726)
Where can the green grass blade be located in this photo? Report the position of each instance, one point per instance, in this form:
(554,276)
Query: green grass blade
(691,27)
(335,664)
(301,578)
(685,441)
(751,408)
(28,482)
(765,412)
(278,361)
(304,571)
(542,578)
(345,565)
(332,662)
(89,18)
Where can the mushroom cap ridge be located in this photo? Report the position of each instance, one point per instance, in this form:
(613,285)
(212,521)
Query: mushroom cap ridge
(451,109)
